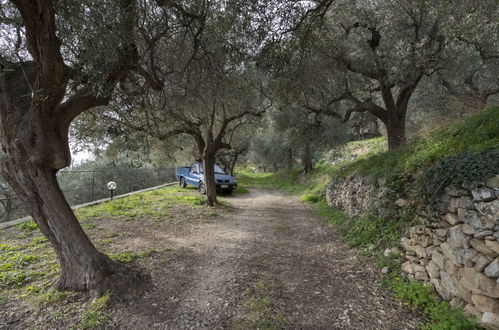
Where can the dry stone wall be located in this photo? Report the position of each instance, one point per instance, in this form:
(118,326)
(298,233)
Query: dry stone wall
(457,252)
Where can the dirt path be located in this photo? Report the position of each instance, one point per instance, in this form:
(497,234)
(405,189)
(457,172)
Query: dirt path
(269,263)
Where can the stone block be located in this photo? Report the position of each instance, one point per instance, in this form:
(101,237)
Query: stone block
(420,235)
(485,304)
(407,267)
(457,302)
(467,229)
(492,270)
(481,261)
(493,245)
(452,219)
(465,257)
(433,269)
(478,283)
(490,320)
(420,252)
(401,202)
(449,253)
(456,236)
(483,233)
(441,232)
(489,209)
(438,258)
(480,246)
(449,284)
(457,191)
(440,289)
(483,194)
(464,292)
(465,203)
(407,244)
(470,309)
(474,218)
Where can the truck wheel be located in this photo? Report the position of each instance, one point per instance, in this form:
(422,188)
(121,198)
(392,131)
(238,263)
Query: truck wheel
(202,188)
(182,183)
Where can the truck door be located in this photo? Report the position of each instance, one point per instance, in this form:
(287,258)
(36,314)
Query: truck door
(193,177)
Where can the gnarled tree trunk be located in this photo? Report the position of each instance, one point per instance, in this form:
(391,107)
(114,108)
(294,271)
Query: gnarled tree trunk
(395,130)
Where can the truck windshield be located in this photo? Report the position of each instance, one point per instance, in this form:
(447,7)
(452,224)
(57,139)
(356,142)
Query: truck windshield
(218,170)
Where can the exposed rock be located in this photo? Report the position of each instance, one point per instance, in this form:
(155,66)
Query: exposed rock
(464,292)
(392,251)
(474,219)
(441,233)
(470,309)
(465,203)
(407,244)
(481,261)
(493,245)
(480,246)
(465,257)
(448,284)
(467,229)
(452,219)
(449,253)
(484,233)
(456,236)
(490,209)
(421,276)
(485,304)
(420,251)
(451,268)
(457,191)
(433,269)
(407,267)
(438,259)
(483,194)
(478,282)
(457,302)
(438,287)
(385,270)
(420,235)
(492,270)
(490,320)
(401,202)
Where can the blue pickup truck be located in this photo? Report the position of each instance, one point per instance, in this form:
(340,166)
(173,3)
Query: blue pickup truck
(194,175)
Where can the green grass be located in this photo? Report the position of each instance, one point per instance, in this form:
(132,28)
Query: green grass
(152,204)
(260,308)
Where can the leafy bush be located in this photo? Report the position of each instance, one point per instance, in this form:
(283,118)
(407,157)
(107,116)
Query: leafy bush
(441,315)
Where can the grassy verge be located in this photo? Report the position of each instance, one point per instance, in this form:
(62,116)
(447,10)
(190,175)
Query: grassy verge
(29,267)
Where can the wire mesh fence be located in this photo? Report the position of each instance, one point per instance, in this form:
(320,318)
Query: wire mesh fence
(85,186)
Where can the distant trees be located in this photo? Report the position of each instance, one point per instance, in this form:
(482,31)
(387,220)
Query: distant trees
(366,56)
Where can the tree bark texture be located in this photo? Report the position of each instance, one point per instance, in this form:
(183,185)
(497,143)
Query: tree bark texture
(209,177)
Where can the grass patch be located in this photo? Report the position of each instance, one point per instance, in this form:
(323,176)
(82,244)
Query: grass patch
(28,226)
(422,297)
(94,317)
(260,308)
(127,256)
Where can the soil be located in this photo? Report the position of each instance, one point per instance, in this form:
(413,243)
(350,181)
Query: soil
(264,262)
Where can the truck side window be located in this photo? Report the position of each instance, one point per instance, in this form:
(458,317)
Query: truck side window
(194,169)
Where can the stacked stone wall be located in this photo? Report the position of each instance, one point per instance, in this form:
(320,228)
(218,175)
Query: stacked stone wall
(456,251)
